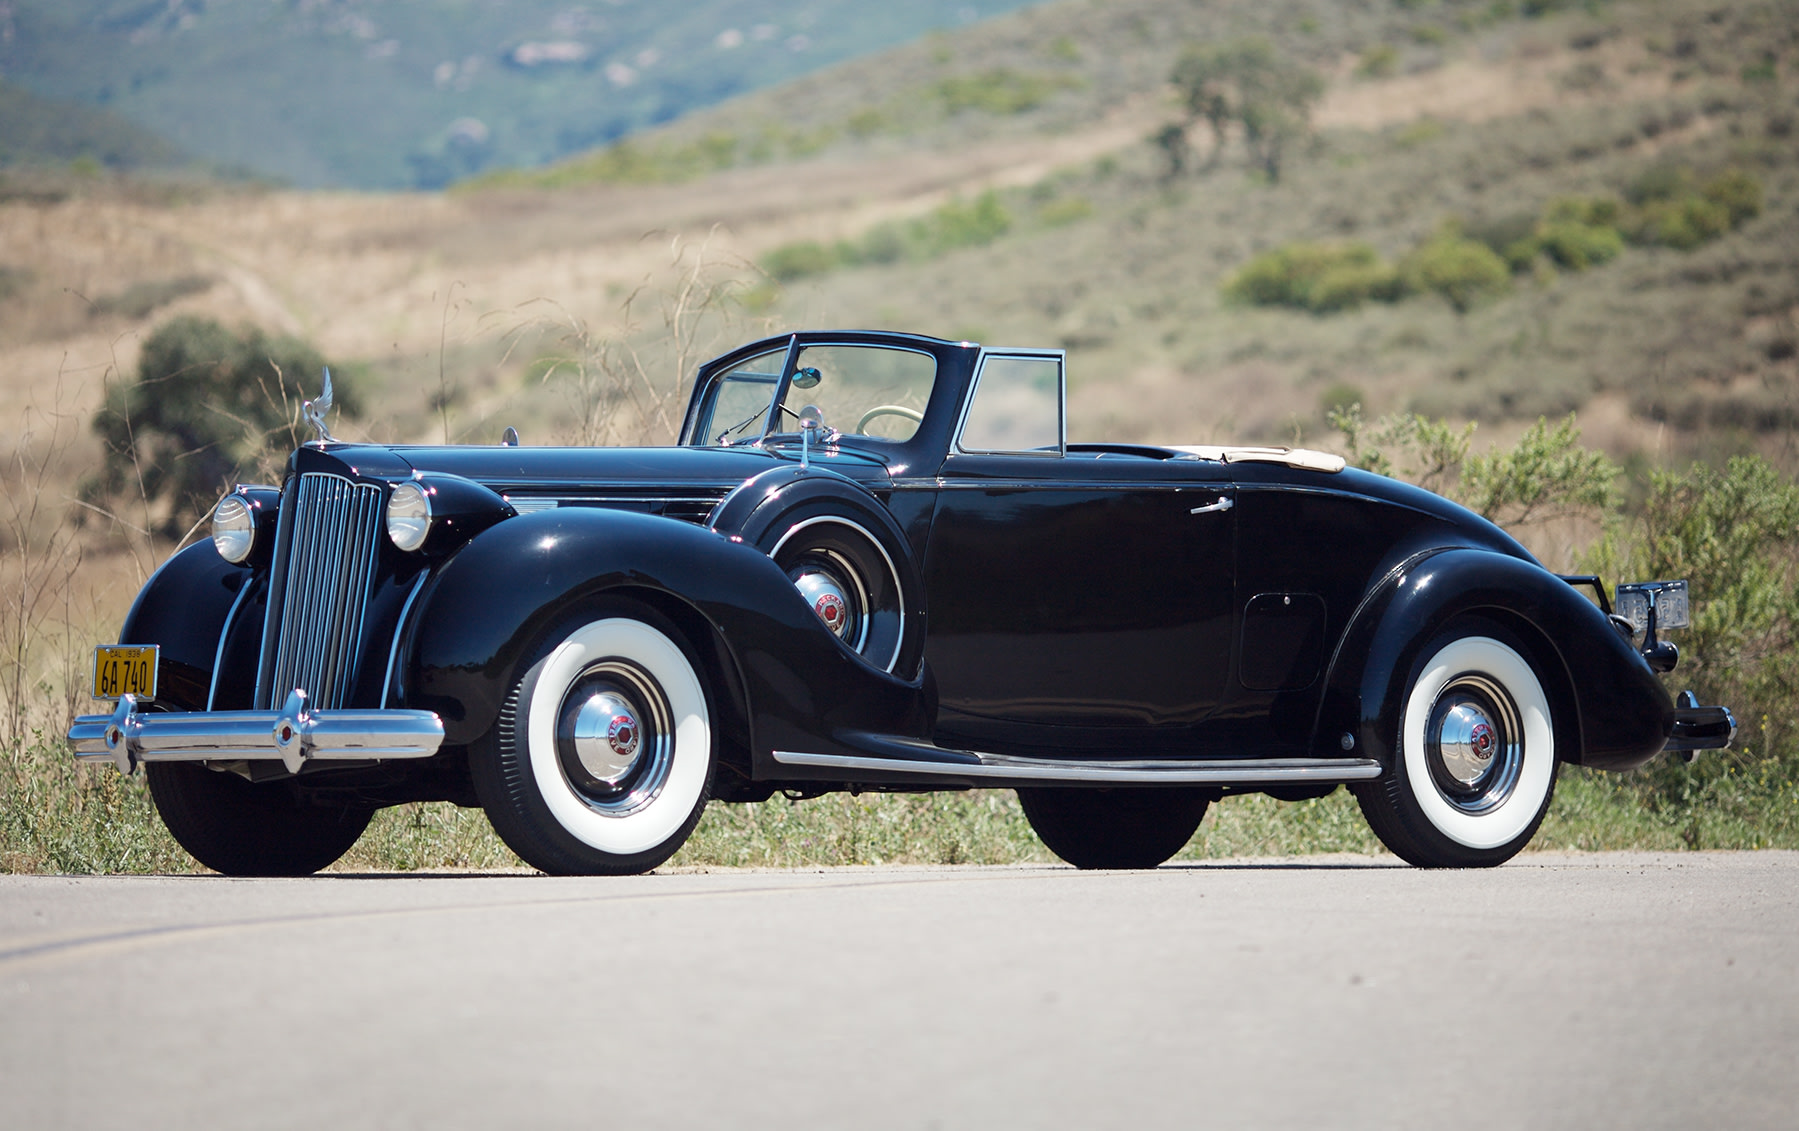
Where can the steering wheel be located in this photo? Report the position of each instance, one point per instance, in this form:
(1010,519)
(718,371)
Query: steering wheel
(888,410)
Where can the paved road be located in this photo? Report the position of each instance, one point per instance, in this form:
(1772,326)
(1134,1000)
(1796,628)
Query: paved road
(1577,991)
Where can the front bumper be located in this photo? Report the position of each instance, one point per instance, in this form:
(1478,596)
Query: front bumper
(294,735)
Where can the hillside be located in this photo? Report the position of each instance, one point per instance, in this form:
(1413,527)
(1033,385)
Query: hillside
(1477,116)
(383,94)
(41,131)
(463,301)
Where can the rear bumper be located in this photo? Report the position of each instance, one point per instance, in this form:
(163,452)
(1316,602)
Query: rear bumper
(293,735)
(1699,728)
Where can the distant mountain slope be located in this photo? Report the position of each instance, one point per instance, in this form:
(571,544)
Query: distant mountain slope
(37,130)
(415,93)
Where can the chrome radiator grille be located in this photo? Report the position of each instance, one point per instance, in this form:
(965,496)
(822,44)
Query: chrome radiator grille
(327,549)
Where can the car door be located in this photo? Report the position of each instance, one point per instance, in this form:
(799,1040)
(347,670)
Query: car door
(1078,601)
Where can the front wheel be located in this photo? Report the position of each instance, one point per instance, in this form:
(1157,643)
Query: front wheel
(1474,766)
(239,828)
(1114,828)
(599,761)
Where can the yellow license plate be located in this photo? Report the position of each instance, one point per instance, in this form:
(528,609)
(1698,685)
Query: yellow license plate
(125,669)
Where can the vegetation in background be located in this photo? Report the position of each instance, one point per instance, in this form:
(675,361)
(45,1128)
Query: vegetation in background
(957,224)
(39,131)
(1247,84)
(1733,533)
(208,406)
(1002,90)
(1668,208)
(1328,277)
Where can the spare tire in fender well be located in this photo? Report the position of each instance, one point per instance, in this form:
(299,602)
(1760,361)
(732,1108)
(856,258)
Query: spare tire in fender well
(764,510)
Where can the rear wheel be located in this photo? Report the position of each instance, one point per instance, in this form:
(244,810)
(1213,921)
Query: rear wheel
(1114,828)
(243,829)
(1475,761)
(599,761)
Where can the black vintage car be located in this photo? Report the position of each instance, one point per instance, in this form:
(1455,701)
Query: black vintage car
(872,562)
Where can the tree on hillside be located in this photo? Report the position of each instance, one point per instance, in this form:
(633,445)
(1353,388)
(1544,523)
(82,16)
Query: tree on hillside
(208,405)
(1245,82)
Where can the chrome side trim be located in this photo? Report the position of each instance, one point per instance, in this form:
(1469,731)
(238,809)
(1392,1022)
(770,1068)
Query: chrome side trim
(218,656)
(292,735)
(1197,771)
(393,650)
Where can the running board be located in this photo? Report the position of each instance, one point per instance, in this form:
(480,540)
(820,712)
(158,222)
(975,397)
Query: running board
(955,766)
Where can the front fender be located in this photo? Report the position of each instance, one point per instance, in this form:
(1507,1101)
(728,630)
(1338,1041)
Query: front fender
(486,611)
(183,608)
(1612,712)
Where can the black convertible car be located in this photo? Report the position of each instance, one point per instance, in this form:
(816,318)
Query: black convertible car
(872,562)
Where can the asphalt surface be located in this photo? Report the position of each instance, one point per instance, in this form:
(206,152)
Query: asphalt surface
(1631,990)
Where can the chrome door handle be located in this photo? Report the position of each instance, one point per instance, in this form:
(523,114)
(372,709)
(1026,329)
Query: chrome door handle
(1223,504)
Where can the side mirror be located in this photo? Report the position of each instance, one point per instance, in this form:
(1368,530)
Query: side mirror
(806,378)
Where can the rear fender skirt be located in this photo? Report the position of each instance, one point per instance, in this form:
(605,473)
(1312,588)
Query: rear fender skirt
(183,608)
(1614,716)
(489,606)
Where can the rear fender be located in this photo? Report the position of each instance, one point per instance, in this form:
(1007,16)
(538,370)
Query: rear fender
(484,614)
(1613,717)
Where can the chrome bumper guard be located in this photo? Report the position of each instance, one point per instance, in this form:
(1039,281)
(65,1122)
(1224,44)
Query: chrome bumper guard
(1699,728)
(293,735)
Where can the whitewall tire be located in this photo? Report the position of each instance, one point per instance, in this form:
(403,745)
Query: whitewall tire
(1475,757)
(600,760)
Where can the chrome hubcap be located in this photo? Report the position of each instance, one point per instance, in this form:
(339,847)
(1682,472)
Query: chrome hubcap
(1466,741)
(606,736)
(615,737)
(825,595)
(1475,743)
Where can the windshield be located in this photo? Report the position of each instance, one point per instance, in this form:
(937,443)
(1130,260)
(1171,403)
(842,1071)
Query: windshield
(871,391)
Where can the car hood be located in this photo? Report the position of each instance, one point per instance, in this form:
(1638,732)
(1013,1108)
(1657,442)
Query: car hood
(558,470)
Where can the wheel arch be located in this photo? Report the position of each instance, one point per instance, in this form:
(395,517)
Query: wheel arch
(1614,717)
(759,511)
(777,675)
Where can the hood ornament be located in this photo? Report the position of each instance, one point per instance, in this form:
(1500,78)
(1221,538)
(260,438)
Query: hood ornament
(314,412)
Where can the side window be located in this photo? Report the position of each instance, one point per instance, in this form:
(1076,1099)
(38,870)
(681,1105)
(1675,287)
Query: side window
(1017,406)
(864,390)
(740,403)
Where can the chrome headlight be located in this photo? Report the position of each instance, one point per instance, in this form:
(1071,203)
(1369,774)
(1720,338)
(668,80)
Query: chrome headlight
(233,528)
(409,516)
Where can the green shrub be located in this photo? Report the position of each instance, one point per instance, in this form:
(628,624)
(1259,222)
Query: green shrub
(1739,193)
(1592,211)
(1513,238)
(958,223)
(964,224)
(1659,182)
(1460,269)
(1320,277)
(1577,246)
(798,260)
(209,405)
(1682,224)
(1001,90)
